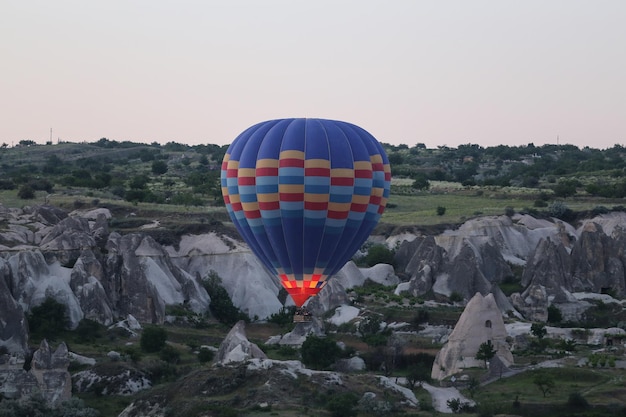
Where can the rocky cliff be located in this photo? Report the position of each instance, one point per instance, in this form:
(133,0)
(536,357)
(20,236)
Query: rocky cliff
(105,276)
(557,260)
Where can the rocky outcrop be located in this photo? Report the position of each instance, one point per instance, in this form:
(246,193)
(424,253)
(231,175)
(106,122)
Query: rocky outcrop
(13,325)
(481,321)
(116,378)
(48,375)
(237,348)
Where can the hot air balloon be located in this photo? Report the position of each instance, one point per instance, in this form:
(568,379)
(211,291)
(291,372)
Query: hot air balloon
(305,194)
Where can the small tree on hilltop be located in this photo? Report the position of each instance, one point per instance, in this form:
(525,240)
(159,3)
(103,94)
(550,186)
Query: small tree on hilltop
(486,351)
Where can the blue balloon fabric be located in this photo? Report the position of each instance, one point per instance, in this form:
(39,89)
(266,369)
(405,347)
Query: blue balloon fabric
(305,194)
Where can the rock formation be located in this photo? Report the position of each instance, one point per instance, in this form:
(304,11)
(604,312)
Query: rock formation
(48,375)
(237,348)
(481,321)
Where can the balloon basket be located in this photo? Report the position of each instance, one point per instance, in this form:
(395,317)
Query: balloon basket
(302,316)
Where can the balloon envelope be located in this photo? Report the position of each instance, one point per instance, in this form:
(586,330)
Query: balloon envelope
(305,194)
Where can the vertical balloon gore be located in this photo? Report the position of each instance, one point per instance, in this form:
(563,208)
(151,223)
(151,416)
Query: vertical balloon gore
(305,194)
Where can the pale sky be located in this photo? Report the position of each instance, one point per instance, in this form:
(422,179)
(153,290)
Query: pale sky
(437,72)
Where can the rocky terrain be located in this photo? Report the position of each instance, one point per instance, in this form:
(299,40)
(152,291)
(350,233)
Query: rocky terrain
(109,277)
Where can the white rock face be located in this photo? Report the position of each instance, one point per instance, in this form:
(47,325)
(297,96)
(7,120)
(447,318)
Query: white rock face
(237,348)
(515,238)
(251,287)
(481,321)
(343,314)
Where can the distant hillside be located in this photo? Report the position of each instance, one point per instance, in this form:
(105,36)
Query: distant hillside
(429,186)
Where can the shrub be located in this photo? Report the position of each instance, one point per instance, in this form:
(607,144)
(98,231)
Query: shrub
(153,339)
(554,314)
(205,355)
(455,297)
(284,317)
(159,167)
(89,330)
(342,405)
(26,192)
(48,319)
(319,352)
(379,254)
(221,305)
(441,210)
(169,354)
(576,400)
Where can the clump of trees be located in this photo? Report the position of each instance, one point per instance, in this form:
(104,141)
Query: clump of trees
(48,319)
(221,306)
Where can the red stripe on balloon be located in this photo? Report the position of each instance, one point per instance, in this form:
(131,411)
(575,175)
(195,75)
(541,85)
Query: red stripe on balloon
(236,206)
(246,181)
(359,208)
(378,167)
(269,205)
(291,196)
(291,162)
(252,214)
(362,173)
(332,214)
(347,181)
(267,172)
(311,205)
(231,173)
(317,172)
(374,200)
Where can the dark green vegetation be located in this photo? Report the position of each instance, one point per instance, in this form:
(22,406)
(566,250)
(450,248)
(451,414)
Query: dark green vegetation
(429,186)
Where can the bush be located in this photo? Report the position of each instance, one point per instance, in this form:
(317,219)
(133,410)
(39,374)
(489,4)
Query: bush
(379,254)
(153,339)
(48,319)
(576,400)
(284,317)
(319,352)
(26,192)
(221,305)
(441,210)
(89,330)
(205,355)
(554,314)
(342,405)
(169,354)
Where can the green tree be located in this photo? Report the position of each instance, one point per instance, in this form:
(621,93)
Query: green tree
(153,339)
(544,381)
(169,354)
(441,210)
(342,405)
(26,192)
(420,182)
(205,355)
(48,319)
(221,306)
(159,167)
(486,351)
(379,254)
(538,330)
(417,373)
(554,314)
(319,352)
